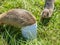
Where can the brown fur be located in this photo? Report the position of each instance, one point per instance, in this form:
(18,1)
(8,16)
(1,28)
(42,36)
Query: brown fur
(17,17)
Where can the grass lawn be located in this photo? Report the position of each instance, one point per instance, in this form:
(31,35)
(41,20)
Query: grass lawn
(47,35)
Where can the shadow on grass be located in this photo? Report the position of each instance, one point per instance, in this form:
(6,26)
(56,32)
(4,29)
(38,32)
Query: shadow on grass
(11,34)
(45,21)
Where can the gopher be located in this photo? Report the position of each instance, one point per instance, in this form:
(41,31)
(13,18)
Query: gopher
(48,9)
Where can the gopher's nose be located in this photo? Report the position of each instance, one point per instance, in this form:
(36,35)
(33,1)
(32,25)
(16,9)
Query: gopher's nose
(45,15)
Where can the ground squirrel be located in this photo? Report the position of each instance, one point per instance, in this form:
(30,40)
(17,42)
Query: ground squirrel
(48,9)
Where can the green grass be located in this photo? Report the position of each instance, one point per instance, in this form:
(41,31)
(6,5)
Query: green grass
(47,35)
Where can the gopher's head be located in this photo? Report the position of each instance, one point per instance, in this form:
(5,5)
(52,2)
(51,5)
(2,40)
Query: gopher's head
(46,13)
